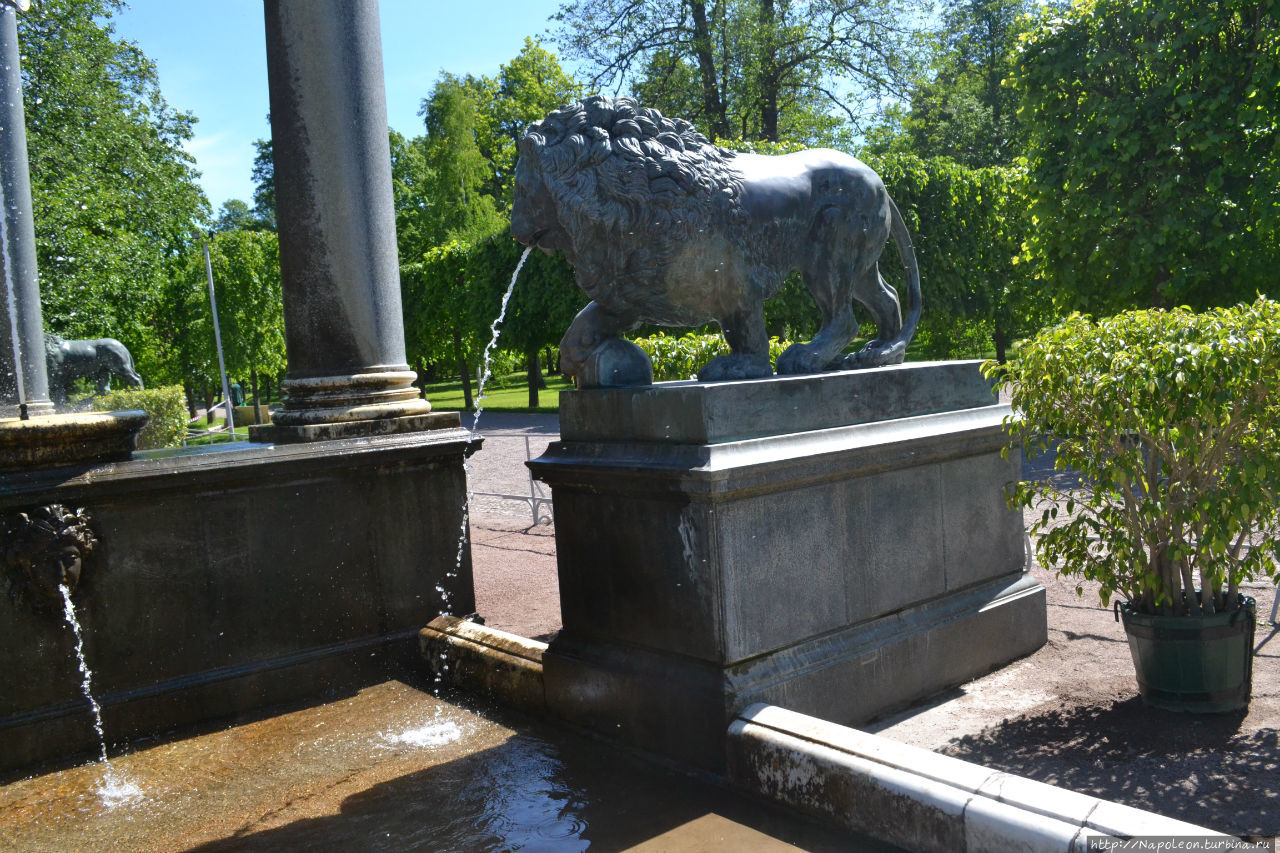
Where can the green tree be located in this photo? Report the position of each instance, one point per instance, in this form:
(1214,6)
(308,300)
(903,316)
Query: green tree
(114,194)
(756,64)
(965,110)
(410,185)
(237,215)
(459,181)
(527,88)
(184,330)
(440,323)
(264,181)
(1153,152)
(246,276)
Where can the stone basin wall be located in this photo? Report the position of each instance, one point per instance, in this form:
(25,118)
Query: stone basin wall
(231,578)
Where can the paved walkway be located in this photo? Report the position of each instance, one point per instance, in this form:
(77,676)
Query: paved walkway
(513,558)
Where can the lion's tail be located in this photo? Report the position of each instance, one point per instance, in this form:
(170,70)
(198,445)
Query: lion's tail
(898,228)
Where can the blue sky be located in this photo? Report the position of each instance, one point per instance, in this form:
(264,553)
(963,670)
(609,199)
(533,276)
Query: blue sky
(212,62)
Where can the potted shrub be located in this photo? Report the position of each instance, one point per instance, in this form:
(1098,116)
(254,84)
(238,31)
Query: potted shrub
(1171,419)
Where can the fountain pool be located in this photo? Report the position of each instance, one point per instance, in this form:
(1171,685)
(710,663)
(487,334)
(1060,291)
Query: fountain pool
(395,768)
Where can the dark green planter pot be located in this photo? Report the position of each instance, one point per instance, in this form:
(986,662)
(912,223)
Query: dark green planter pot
(1202,664)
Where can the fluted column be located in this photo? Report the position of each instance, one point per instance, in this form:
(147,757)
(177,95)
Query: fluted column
(21,326)
(344,331)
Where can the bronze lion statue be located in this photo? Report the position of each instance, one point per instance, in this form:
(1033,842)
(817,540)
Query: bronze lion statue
(663,227)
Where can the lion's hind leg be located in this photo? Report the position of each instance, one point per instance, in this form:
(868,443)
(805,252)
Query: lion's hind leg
(831,284)
(882,301)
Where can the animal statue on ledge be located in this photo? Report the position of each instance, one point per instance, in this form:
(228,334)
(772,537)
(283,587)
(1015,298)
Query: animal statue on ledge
(663,227)
(98,359)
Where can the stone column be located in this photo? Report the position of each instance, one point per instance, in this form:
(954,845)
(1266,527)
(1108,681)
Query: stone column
(21,324)
(344,330)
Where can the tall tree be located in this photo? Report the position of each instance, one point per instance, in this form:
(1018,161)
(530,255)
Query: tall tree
(410,185)
(236,215)
(451,187)
(965,111)
(459,184)
(528,87)
(264,181)
(753,61)
(1154,151)
(114,193)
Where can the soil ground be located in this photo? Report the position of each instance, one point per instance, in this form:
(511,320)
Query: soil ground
(1068,715)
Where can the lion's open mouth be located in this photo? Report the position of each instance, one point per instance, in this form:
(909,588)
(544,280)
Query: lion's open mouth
(536,241)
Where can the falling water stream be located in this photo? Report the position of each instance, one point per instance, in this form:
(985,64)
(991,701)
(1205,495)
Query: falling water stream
(487,369)
(114,788)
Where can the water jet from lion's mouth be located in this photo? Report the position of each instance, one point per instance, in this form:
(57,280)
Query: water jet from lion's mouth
(487,362)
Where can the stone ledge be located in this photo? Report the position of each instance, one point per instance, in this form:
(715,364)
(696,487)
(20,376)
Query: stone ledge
(750,465)
(918,799)
(689,412)
(231,464)
(503,666)
(53,441)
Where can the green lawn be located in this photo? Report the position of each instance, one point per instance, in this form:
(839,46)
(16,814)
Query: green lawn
(508,393)
(242,433)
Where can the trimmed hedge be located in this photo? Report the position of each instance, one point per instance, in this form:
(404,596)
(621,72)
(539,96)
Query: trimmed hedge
(682,356)
(166,407)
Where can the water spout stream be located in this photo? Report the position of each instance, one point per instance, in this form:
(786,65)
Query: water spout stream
(495,329)
(115,788)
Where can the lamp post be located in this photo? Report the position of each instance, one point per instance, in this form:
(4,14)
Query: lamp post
(217,339)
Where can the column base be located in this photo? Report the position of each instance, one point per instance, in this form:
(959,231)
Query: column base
(300,433)
(373,396)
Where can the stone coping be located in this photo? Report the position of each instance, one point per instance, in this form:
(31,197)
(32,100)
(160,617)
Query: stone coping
(230,462)
(83,438)
(919,799)
(689,412)
(800,445)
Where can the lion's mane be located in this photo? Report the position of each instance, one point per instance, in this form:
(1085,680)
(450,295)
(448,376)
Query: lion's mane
(649,183)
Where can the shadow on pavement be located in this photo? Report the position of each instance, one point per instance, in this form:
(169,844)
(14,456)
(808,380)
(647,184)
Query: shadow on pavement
(1197,768)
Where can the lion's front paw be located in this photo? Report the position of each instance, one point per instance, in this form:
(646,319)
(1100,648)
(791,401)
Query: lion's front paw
(724,368)
(615,363)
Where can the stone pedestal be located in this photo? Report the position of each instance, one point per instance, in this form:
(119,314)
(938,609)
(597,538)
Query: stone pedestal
(835,544)
(84,438)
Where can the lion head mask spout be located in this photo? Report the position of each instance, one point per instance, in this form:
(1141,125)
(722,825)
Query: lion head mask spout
(663,227)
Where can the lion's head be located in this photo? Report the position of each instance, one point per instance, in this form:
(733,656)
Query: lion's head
(617,186)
